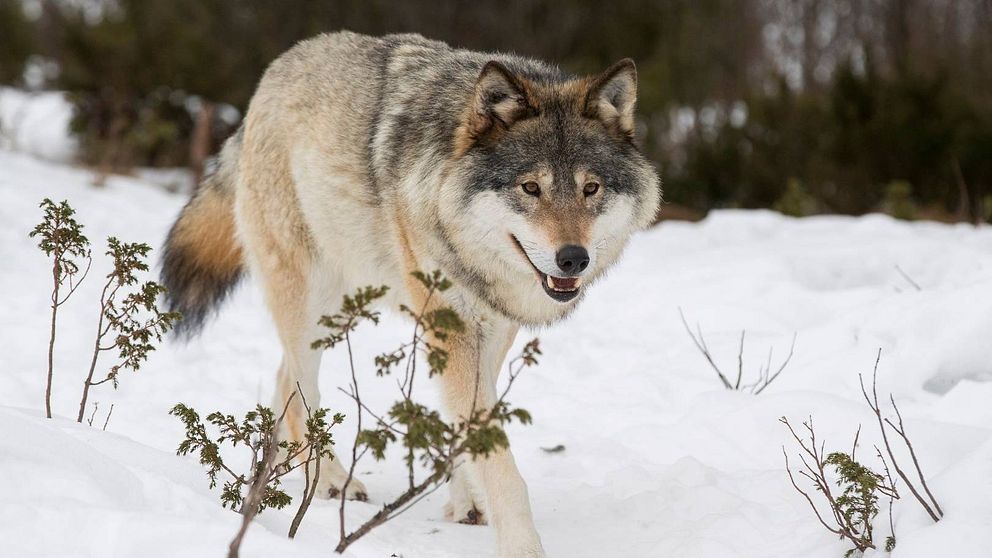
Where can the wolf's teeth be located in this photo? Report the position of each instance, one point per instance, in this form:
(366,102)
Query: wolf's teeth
(551,283)
(578,282)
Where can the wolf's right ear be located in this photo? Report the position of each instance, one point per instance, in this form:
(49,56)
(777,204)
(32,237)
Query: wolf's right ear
(500,99)
(611,98)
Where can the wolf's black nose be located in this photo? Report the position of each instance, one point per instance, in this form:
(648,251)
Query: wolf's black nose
(572,259)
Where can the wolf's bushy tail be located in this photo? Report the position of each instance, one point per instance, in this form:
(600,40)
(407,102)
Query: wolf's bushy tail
(202,259)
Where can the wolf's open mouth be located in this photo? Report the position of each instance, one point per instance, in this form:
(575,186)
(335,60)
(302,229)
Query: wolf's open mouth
(562,289)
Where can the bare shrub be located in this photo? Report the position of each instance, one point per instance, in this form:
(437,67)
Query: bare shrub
(852,512)
(765,375)
(929,503)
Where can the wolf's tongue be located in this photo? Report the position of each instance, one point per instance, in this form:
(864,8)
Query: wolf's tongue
(563,283)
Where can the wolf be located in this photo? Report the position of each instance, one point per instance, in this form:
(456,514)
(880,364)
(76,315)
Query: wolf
(363,159)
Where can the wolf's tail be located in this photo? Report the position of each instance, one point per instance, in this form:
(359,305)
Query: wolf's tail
(202,259)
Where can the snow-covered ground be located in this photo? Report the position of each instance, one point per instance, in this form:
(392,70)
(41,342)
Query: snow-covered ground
(36,123)
(659,459)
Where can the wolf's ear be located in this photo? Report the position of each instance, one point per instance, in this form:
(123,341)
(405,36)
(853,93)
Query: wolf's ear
(612,96)
(499,100)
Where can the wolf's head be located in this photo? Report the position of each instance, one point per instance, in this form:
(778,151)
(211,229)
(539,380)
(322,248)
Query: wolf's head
(547,185)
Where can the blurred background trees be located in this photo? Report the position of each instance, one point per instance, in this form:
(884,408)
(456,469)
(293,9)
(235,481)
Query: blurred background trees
(806,106)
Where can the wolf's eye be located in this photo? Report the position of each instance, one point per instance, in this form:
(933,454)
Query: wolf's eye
(531,188)
(590,188)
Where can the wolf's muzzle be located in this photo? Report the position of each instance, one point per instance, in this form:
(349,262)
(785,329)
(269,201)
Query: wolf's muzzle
(561,289)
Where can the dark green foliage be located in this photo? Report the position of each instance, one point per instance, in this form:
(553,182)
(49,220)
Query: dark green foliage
(795,201)
(437,324)
(197,440)
(899,200)
(861,487)
(354,310)
(134,334)
(256,432)
(62,238)
(855,508)
(422,432)
(131,325)
(867,142)
(893,103)
(18,41)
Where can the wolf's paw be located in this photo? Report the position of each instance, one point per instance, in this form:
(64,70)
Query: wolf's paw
(466,516)
(329,487)
(465,505)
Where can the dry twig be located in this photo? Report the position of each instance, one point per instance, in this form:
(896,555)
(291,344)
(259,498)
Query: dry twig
(929,503)
(908,279)
(765,376)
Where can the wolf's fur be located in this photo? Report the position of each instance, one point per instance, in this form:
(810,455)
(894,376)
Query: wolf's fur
(363,159)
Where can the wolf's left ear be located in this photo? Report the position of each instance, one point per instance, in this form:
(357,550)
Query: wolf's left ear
(612,96)
(499,100)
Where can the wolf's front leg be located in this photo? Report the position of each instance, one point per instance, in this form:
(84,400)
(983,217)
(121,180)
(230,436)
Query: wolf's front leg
(475,360)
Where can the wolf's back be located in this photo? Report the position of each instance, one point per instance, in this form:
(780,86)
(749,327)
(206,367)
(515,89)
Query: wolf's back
(202,259)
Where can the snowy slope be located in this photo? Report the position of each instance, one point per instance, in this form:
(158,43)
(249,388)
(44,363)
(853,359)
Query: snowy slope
(659,461)
(36,123)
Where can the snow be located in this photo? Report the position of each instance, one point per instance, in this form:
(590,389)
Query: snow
(36,123)
(659,459)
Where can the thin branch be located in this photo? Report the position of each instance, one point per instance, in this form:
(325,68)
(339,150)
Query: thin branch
(876,409)
(792,479)
(74,283)
(103,381)
(854,446)
(701,345)
(89,421)
(309,485)
(354,446)
(901,431)
(740,362)
(88,382)
(893,494)
(785,363)
(107,420)
(908,279)
(388,511)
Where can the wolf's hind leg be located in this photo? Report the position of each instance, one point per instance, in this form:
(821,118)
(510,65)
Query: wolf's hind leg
(296,297)
(299,373)
(333,475)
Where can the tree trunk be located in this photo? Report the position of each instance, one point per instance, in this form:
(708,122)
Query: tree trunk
(199,147)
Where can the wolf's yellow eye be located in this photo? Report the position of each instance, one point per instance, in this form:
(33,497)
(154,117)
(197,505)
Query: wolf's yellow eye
(590,188)
(531,188)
